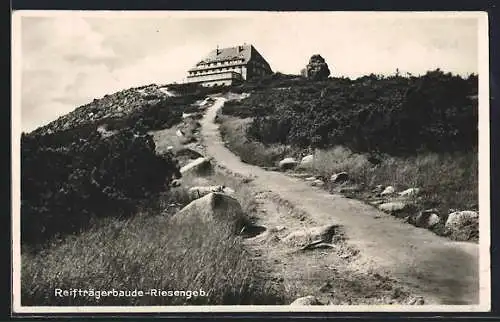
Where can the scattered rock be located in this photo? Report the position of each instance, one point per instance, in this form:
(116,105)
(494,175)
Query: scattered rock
(112,106)
(317,183)
(306,300)
(310,179)
(304,237)
(433,220)
(417,300)
(104,131)
(307,161)
(228,191)
(339,177)
(200,164)
(214,207)
(394,207)
(288,163)
(198,192)
(461,225)
(410,192)
(179,133)
(425,219)
(389,190)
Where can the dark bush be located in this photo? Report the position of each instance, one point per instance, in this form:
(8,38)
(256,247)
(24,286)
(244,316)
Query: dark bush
(395,115)
(161,115)
(71,177)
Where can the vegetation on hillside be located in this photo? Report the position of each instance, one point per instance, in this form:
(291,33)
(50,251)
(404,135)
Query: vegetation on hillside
(400,131)
(72,172)
(151,251)
(96,207)
(395,115)
(72,177)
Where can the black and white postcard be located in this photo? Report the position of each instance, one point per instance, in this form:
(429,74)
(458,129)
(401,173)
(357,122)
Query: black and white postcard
(231,161)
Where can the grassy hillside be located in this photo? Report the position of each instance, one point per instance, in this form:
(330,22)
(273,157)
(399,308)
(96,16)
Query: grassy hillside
(400,131)
(151,251)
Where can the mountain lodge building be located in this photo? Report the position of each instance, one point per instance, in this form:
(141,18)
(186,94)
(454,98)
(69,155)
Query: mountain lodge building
(228,66)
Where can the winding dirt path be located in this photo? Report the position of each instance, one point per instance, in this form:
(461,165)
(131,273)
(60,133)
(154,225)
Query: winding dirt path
(442,271)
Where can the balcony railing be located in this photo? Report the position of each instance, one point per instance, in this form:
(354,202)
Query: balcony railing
(214,77)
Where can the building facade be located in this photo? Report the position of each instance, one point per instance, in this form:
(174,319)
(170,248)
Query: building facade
(228,66)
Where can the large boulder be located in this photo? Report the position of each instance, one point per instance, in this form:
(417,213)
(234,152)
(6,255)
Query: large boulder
(396,207)
(217,207)
(389,190)
(426,219)
(306,162)
(317,69)
(196,166)
(287,164)
(462,225)
(410,192)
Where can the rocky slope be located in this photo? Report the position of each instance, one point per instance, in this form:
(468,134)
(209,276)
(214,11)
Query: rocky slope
(114,106)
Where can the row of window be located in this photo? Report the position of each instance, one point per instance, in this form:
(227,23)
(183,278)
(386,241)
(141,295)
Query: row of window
(222,63)
(210,71)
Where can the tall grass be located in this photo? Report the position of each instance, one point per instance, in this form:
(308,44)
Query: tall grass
(233,131)
(153,251)
(147,253)
(448,180)
(340,159)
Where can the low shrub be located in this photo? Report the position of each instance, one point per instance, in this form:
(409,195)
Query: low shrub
(68,179)
(395,115)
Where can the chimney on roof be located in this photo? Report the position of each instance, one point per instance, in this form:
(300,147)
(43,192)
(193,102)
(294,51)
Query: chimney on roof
(217,50)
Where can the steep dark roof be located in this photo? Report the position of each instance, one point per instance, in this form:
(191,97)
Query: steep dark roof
(229,53)
(242,52)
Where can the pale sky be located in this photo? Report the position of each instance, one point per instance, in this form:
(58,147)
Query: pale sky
(68,59)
